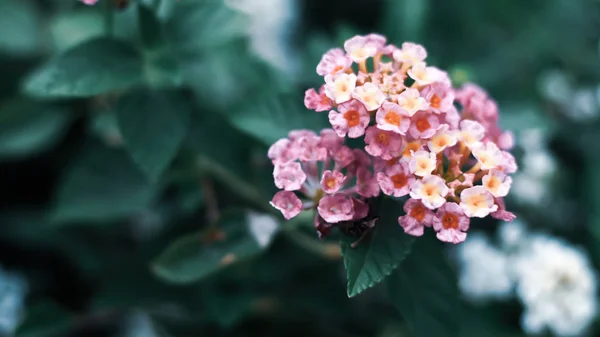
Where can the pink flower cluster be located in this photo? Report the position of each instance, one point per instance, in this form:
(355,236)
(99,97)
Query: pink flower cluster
(442,147)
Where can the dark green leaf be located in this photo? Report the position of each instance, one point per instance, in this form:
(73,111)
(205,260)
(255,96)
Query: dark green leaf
(27,128)
(19,24)
(94,67)
(153,125)
(424,289)
(150,27)
(270,117)
(238,235)
(375,258)
(45,319)
(104,184)
(201,25)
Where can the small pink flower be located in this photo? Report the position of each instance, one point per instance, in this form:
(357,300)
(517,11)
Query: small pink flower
(340,87)
(336,208)
(502,213)
(289,176)
(366,184)
(488,155)
(381,143)
(361,159)
(360,48)
(317,101)
(310,148)
(343,157)
(452,118)
(477,202)
(411,53)
(332,181)
(411,101)
(431,190)
(416,218)
(287,203)
(295,135)
(442,139)
(396,180)
(377,40)
(280,152)
(423,125)
(424,75)
(391,117)
(333,62)
(497,183)
(330,140)
(352,119)
(509,164)
(506,140)
(451,223)
(422,163)
(471,133)
(89,2)
(369,95)
(439,96)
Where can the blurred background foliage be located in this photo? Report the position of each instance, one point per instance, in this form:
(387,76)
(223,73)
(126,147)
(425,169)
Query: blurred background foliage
(134,176)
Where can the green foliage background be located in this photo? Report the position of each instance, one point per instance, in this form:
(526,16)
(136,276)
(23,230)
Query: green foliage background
(135,184)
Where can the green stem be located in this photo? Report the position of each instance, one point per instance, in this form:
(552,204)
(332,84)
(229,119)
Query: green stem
(324,249)
(109,17)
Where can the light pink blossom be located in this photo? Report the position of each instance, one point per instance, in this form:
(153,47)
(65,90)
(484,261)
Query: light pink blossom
(410,53)
(497,183)
(422,163)
(442,139)
(424,75)
(366,183)
(317,101)
(488,155)
(360,48)
(431,190)
(477,202)
(451,223)
(287,203)
(369,95)
(332,181)
(391,117)
(423,125)
(396,180)
(381,143)
(333,62)
(352,119)
(439,96)
(336,208)
(417,217)
(411,101)
(289,176)
(339,88)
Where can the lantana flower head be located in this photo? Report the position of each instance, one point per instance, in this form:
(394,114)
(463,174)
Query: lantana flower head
(438,149)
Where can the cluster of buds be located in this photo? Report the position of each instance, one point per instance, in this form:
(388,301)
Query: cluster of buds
(440,146)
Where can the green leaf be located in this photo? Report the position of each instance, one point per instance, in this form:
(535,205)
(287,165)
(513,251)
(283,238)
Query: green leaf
(202,25)
(237,236)
(103,185)
(424,290)
(150,27)
(371,261)
(74,27)
(45,319)
(19,24)
(153,125)
(270,117)
(94,67)
(28,128)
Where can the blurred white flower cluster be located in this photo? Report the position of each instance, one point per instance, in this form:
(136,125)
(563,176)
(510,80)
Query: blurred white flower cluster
(577,103)
(272,23)
(13,289)
(552,279)
(530,184)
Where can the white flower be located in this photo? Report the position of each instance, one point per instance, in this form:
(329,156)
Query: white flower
(471,133)
(477,202)
(556,285)
(369,95)
(340,87)
(12,301)
(497,183)
(512,234)
(431,190)
(411,101)
(528,188)
(422,163)
(488,155)
(484,269)
(540,164)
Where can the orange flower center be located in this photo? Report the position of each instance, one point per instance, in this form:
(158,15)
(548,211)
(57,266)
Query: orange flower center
(418,213)
(430,190)
(399,180)
(435,102)
(337,69)
(330,182)
(392,118)
(450,221)
(423,125)
(325,100)
(412,146)
(391,162)
(352,117)
(383,139)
